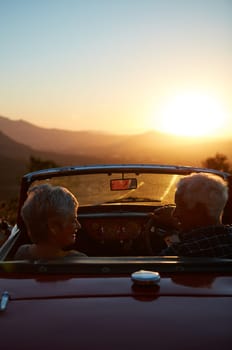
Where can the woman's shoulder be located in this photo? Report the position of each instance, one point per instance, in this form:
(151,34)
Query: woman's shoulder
(23,252)
(74,253)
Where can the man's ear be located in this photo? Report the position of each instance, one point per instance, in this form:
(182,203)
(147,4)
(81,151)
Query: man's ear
(201,211)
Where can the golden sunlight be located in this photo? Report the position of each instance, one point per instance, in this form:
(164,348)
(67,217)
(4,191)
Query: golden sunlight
(192,114)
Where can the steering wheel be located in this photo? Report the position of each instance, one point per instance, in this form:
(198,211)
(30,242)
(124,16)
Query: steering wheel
(157,226)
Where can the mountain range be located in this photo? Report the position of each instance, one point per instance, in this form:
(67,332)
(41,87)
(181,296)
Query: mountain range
(20,139)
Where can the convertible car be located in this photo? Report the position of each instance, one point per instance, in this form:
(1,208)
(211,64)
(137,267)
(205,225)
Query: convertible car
(123,294)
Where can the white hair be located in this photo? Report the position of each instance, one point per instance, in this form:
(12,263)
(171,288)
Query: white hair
(205,188)
(43,202)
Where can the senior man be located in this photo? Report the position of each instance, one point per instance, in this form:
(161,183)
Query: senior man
(200,200)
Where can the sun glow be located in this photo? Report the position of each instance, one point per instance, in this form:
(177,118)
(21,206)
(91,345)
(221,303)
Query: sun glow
(192,114)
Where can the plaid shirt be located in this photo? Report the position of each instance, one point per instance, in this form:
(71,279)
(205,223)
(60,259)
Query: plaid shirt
(210,241)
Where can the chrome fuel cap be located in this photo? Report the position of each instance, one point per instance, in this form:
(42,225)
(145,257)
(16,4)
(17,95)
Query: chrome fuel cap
(144,277)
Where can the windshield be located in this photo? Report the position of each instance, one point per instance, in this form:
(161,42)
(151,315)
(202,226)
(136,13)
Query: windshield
(93,189)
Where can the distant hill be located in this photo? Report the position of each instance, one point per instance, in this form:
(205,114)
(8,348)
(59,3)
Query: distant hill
(147,147)
(55,140)
(19,140)
(13,149)
(162,148)
(14,159)
(11,171)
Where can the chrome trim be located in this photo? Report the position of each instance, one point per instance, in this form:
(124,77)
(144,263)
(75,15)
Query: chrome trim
(4,301)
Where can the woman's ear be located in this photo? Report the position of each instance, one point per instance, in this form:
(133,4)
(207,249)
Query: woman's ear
(29,234)
(53,225)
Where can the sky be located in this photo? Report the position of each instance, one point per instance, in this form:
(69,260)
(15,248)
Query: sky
(118,66)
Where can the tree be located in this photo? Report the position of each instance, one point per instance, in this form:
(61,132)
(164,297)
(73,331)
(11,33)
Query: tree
(8,210)
(39,164)
(219,162)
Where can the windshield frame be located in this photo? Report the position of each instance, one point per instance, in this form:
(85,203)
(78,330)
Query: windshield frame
(44,174)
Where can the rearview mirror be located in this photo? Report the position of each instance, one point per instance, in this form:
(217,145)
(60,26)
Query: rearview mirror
(123,184)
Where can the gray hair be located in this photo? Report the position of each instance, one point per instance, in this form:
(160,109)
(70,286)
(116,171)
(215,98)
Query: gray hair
(44,202)
(205,188)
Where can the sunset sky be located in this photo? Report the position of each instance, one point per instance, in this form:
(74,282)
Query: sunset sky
(121,66)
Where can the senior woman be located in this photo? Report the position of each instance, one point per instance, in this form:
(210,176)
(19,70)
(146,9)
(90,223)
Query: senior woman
(50,216)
